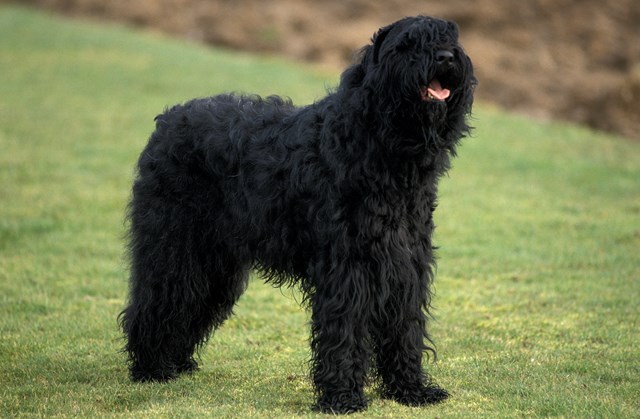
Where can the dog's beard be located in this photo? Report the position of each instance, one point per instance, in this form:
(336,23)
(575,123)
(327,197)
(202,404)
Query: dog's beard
(435,113)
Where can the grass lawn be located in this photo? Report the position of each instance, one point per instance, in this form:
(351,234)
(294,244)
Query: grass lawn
(538,228)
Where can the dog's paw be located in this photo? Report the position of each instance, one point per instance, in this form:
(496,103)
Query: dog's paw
(187,367)
(418,395)
(342,403)
(162,373)
(149,376)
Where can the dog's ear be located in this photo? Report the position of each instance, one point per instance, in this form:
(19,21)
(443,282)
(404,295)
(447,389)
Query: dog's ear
(353,75)
(378,40)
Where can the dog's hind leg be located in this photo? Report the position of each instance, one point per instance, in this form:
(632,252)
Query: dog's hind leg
(181,289)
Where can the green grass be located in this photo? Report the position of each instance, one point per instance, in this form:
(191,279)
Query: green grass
(538,228)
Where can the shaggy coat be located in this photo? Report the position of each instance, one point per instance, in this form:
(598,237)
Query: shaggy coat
(336,197)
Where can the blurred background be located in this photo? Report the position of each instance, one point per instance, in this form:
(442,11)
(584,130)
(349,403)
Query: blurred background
(573,60)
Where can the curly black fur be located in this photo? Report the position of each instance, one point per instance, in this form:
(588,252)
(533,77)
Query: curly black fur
(336,197)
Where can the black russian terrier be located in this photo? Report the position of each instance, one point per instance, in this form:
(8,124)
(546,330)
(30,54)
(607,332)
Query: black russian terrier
(336,197)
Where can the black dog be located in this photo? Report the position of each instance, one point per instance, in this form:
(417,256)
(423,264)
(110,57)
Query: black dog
(336,197)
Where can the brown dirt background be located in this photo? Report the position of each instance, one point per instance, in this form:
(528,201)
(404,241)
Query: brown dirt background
(574,60)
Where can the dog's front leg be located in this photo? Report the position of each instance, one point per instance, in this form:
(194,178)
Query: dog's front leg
(400,332)
(339,341)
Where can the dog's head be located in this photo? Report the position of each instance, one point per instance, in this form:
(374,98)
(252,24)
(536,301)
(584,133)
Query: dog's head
(416,70)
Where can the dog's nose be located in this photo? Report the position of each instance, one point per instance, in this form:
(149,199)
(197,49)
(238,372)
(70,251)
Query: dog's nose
(444,57)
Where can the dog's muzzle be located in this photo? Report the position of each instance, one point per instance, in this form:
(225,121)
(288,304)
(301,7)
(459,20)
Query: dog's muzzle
(438,90)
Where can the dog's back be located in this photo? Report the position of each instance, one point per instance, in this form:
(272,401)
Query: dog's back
(236,165)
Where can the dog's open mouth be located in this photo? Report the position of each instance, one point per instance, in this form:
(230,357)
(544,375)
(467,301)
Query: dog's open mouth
(434,92)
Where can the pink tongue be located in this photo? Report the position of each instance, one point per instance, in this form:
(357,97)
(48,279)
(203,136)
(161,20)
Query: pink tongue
(437,91)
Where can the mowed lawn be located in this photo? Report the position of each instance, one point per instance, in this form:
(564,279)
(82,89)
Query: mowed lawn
(537,287)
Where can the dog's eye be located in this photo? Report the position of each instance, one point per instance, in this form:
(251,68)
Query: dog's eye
(407,42)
